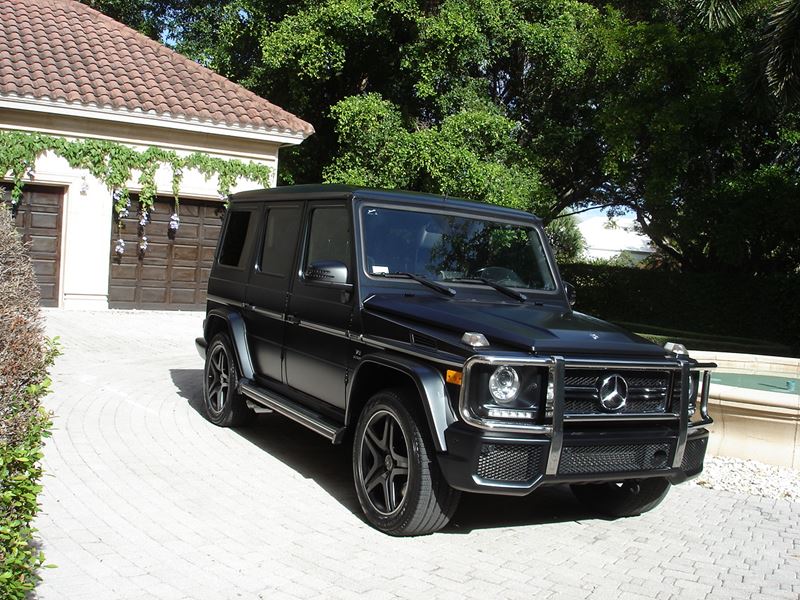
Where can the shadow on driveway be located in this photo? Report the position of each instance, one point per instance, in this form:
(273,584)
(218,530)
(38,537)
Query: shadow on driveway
(314,457)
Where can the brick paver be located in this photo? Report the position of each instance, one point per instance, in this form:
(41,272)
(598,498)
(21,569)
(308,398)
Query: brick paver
(144,498)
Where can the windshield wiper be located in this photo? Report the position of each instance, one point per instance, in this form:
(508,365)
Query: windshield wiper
(500,288)
(447,291)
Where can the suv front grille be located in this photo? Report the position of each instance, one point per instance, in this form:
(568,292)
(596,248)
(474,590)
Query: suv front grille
(509,462)
(648,391)
(612,458)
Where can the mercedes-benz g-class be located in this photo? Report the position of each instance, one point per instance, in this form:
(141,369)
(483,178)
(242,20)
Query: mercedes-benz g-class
(436,336)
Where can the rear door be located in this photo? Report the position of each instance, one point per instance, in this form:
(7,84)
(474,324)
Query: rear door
(267,293)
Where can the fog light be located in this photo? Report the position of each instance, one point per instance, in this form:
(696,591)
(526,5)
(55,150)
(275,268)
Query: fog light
(504,384)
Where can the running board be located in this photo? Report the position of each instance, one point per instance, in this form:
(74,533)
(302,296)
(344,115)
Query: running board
(267,399)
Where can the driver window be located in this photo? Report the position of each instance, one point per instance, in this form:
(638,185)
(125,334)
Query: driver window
(329,238)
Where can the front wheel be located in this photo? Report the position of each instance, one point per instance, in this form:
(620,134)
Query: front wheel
(399,485)
(624,498)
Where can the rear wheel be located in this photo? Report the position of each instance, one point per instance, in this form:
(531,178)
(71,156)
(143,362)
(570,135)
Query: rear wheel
(399,485)
(622,499)
(223,404)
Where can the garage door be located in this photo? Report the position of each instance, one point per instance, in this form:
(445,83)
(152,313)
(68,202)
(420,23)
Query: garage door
(39,222)
(173,273)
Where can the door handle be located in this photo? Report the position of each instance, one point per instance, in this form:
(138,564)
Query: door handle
(293,319)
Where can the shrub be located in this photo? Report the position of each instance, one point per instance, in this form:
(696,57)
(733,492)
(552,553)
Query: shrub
(25,354)
(762,309)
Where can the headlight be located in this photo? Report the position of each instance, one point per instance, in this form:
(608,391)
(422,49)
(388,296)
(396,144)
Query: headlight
(504,385)
(504,392)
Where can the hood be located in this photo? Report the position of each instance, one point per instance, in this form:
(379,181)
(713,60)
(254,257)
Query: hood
(545,327)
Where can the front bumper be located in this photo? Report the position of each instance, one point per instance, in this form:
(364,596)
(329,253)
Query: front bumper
(490,457)
(514,464)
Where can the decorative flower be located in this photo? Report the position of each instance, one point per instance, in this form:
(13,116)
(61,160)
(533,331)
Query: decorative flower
(174,222)
(143,244)
(144,220)
(119,249)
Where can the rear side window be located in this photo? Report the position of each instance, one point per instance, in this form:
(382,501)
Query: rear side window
(330,235)
(280,238)
(238,234)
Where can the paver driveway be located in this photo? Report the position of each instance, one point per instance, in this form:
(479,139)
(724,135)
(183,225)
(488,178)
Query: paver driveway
(144,498)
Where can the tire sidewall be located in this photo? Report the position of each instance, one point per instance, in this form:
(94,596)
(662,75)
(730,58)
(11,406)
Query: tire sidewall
(224,416)
(389,402)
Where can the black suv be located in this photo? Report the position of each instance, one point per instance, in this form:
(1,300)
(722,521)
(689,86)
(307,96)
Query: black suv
(438,338)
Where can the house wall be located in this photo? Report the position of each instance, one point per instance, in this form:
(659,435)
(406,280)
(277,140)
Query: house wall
(87,207)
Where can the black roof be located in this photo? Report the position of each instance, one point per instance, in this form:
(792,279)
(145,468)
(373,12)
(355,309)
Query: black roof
(330,190)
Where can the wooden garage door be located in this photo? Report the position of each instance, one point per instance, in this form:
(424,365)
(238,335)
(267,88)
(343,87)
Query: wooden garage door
(172,273)
(39,222)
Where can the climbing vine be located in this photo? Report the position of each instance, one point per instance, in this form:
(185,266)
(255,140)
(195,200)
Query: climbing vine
(114,164)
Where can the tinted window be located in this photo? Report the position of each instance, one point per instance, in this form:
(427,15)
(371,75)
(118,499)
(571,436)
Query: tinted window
(237,234)
(454,248)
(330,235)
(279,240)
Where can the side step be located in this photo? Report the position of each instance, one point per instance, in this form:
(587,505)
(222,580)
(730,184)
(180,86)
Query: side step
(272,401)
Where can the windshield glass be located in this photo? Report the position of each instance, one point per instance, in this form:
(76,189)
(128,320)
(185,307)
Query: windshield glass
(451,248)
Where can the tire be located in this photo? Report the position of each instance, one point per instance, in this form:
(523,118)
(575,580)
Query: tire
(222,403)
(627,498)
(397,477)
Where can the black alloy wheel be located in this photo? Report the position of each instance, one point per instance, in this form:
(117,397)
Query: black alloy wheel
(223,404)
(384,462)
(397,477)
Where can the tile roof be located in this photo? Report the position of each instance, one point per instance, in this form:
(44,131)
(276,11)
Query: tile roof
(64,51)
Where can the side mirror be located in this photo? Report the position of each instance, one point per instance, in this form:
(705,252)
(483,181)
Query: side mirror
(571,295)
(327,272)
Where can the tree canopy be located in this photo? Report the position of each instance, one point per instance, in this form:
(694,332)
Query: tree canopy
(551,106)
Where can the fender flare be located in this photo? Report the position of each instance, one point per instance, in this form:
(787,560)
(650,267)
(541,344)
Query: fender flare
(431,388)
(238,334)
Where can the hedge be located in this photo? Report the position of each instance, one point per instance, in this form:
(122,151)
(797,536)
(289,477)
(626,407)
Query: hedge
(733,312)
(25,354)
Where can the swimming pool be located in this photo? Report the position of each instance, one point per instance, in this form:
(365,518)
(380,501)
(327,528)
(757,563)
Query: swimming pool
(767,383)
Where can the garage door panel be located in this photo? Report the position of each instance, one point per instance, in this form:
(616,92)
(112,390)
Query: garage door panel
(41,220)
(154,294)
(184,274)
(190,253)
(118,293)
(173,273)
(43,244)
(190,230)
(44,268)
(123,271)
(153,273)
(184,296)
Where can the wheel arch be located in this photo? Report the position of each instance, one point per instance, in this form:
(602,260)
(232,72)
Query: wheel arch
(381,370)
(231,322)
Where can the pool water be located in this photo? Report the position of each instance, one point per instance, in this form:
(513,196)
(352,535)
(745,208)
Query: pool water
(767,383)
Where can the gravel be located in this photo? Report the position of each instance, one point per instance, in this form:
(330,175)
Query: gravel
(750,477)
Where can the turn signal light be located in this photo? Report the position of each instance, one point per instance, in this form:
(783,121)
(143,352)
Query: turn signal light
(453,377)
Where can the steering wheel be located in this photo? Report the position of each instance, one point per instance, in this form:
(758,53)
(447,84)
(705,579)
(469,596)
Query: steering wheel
(501,275)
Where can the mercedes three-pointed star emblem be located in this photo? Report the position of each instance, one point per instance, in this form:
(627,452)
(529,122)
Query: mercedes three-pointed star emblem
(613,393)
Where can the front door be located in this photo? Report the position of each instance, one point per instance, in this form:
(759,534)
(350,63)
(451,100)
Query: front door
(318,317)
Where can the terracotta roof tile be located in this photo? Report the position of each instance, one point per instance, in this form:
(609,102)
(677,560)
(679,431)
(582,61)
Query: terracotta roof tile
(62,50)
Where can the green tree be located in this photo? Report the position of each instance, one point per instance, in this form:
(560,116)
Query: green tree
(552,106)
(780,43)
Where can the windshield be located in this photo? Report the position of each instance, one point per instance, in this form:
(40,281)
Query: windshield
(453,248)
